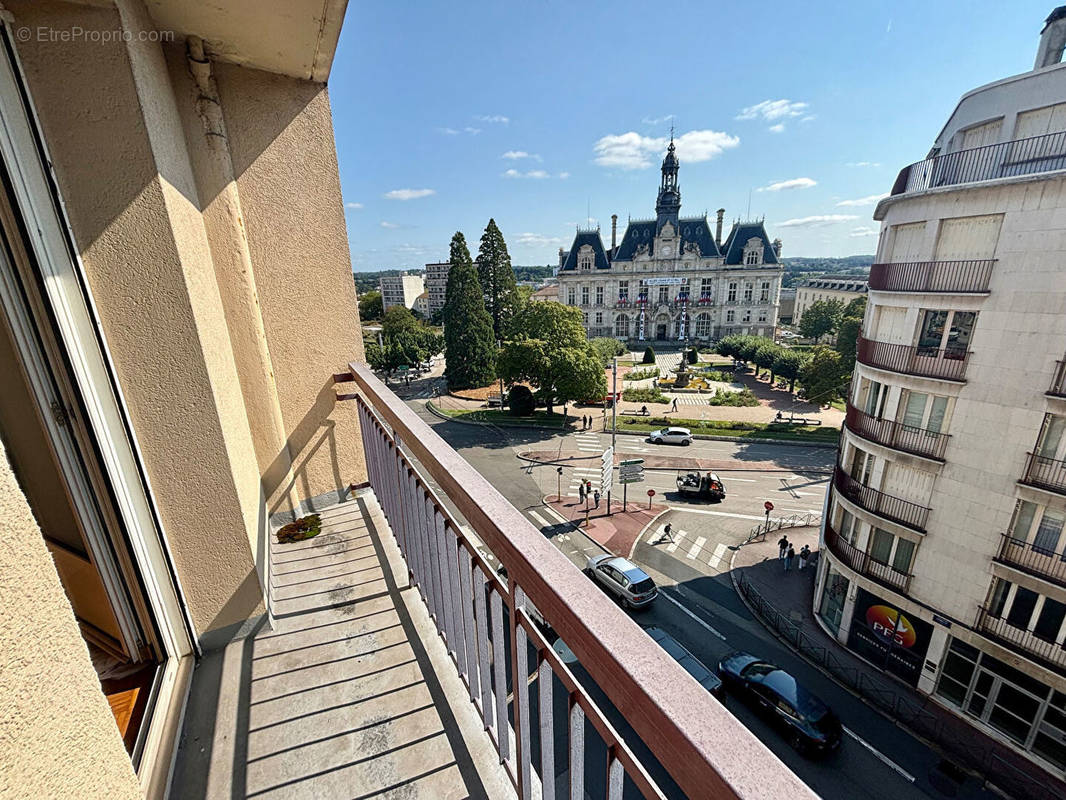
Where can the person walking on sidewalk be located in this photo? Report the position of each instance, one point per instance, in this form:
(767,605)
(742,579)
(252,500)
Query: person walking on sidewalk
(596,497)
(674,408)
(581,492)
(782,547)
(791,554)
(804,554)
(667,533)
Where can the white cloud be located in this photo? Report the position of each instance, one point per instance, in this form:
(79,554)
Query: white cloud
(809,118)
(537,240)
(448,131)
(816,221)
(657,120)
(515,155)
(563,175)
(472,131)
(778,128)
(633,151)
(354,206)
(497,118)
(408,194)
(389,225)
(771,110)
(533,173)
(863,201)
(792,183)
(863,164)
(857,232)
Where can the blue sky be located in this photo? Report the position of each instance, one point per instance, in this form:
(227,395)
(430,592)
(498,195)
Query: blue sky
(544,113)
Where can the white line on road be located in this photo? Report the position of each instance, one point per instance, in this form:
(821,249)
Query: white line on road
(716,513)
(879,755)
(696,547)
(715,560)
(700,621)
(554,513)
(540,520)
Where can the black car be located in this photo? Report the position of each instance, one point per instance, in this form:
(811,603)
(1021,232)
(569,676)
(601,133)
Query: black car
(807,722)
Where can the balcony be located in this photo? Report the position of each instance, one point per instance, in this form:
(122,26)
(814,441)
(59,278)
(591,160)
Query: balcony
(1058,380)
(1034,560)
(896,509)
(954,277)
(1045,473)
(1016,158)
(948,364)
(1025,642)
(862,563)
(399,632)
(905,438)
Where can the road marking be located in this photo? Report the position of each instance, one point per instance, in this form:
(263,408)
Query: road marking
(879,755)
(716,513)
(742,480)
(696,547)
(555,513)
(587,470)
(673,542)
(540,520)
(715,560)
(700,621)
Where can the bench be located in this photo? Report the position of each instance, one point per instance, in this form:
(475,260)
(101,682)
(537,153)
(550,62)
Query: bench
(636,413)
(797,420)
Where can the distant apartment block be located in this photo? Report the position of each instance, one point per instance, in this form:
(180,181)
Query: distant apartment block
(422,304)
(546,294)
(843,289)
(400,290)
(436,285)
(786,305)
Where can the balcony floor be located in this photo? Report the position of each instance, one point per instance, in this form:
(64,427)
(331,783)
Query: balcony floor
(351,695)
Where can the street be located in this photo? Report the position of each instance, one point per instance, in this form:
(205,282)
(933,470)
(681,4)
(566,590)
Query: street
(697,604)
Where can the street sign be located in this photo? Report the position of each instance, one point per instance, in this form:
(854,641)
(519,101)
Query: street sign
(607,470)
(631,462)
(403,368)
(768,506)
(651,493)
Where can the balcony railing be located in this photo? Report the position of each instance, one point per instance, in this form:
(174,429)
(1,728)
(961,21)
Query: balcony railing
(948,364)
(863,563)
(896,435)
(1047,473)
(1058,380)
(1025,642)
(1033,559)
(496,625)
(957,277)
(1030,156)
(885,505)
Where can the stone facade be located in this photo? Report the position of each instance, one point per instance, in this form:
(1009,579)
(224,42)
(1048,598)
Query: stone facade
(400,290)
(437,285)
(843,290)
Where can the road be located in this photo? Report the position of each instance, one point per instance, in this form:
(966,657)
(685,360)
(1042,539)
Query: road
(698,605)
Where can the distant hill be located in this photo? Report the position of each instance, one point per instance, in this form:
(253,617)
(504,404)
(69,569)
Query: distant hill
(799,269)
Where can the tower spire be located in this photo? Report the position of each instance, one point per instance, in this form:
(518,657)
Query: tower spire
(668,204)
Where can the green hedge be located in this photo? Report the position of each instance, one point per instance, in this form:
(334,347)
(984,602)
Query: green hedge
(644,396)
(743,398)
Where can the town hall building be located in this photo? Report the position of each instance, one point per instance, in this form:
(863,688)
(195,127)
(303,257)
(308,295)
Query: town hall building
(671,279)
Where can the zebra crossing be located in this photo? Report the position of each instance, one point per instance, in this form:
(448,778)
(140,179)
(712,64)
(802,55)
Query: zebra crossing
(695,548)
(689,399)
(588,442)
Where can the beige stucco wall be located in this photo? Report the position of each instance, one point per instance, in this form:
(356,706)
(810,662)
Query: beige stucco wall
(57,734)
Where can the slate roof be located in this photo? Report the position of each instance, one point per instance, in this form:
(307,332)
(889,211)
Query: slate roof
(692,229)
(733,246)
(580,240)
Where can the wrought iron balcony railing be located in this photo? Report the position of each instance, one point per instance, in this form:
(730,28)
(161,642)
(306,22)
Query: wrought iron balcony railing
(1012,159)
(929,362)
(1033,559)
(865,564)
(956,277)
(1058,380)
(1046,473)
(498,624)
(896,435)
(876,502)
(1026,642)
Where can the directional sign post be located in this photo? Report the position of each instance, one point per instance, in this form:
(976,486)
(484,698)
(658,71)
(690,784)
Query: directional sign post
(607,475)
(630,471)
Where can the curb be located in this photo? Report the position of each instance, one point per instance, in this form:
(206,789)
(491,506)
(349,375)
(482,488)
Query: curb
(573,527)
(644,530)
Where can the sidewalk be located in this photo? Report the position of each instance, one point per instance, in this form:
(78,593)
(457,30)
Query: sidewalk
(617,532)
(782,602)
(653,461)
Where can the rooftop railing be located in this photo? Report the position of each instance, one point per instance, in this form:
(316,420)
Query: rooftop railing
(876,502)
(956,277)
(1058,380)
(896,435)
(1046,473)
(930,362)
(496,625)
(1012,159)
(865,564)
(1023,641)
(1033,558)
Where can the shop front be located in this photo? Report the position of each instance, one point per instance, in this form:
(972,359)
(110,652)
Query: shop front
(885,636)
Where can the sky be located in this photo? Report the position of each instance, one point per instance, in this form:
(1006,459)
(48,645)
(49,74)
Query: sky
(545,114)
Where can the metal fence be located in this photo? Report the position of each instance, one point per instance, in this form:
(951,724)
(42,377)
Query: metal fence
(758,533)
(954,738)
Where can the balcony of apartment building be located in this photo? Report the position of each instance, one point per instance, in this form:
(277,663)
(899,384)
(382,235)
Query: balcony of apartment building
(1024,635)
(892,508)
(945,363)
(1042,559)
(1045,472)
(896,435)
(1058,381)
(862,562)
(933,277)
(400,630)
(1020,157)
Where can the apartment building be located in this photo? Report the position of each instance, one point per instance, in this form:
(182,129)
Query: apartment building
(945,554)
(437,285)
(400,290)
(843,290)
(183,371)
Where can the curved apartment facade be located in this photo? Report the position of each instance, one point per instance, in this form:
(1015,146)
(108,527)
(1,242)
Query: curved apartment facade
(945,554)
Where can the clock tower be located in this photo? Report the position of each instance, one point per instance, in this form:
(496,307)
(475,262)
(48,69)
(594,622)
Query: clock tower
(668,204)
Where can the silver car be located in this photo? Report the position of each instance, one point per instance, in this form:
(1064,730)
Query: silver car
(633,587)
(671,436)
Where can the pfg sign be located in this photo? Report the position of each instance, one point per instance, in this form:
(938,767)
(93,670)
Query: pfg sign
(890,624)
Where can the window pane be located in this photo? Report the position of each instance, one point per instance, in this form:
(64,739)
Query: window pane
(1046,540)
(904,553)
(1049,442)
(999,598)
(873,389)
(881,546)
(1050,620)
(1021,610)
(936,414)
(915,409)
(961,329)
(1023,520)
(933,329)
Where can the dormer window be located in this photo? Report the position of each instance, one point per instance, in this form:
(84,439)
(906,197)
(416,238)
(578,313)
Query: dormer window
(584,257)
(751,257)
(753,252)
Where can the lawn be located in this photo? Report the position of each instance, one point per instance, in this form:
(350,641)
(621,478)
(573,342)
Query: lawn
(740,430)
(498,417)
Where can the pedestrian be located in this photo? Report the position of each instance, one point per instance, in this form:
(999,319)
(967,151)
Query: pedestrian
(674,407)
(804,554)
(791,554)
(587,422)
(581,492)
(782,546)
(667,535)
(596,497)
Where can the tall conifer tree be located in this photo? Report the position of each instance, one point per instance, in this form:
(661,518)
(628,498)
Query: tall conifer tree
(497,279)
(470,347)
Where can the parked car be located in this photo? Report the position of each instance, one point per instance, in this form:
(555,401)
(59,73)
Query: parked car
(693,666)
(808,723)
(700,485)
(623,579)
(671,436)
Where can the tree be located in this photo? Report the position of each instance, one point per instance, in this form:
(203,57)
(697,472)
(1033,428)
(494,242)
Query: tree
(848,340)
(788,364)
(468,339)
(649,355)
(396,319)
(765,354)
(693,356)
(497,279)
(520,401)
(856,308)
(370,306)
(821,318)
(608,348)
(823,376)
(749,345)
(547,347)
